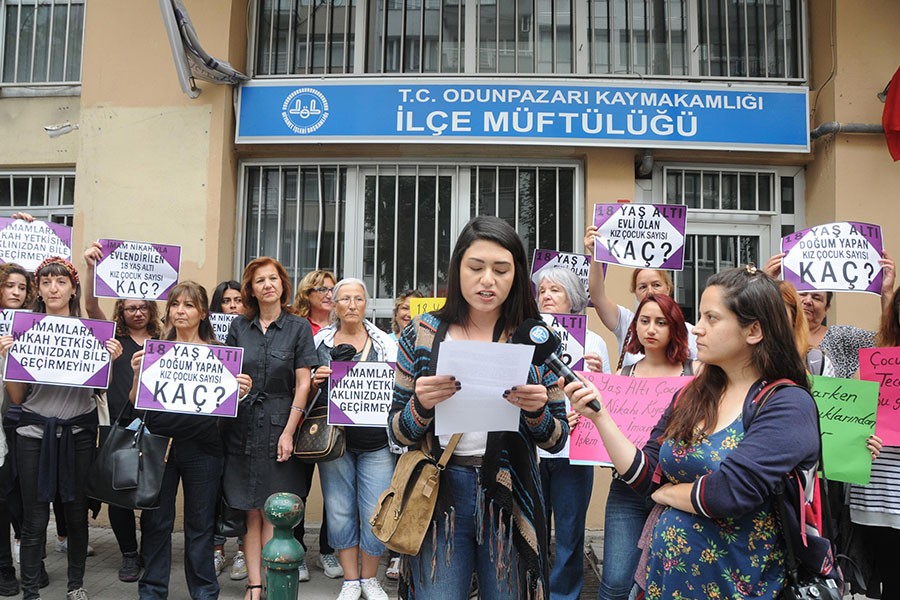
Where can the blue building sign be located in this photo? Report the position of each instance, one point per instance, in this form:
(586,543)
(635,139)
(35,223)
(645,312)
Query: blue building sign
(695,116)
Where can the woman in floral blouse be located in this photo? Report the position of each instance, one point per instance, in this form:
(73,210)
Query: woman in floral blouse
(717,535)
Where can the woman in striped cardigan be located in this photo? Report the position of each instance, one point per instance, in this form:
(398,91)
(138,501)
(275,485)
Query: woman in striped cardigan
(490,517)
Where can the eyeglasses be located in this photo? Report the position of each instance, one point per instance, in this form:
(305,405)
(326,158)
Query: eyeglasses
(131,310)
(323,289)
(347,300)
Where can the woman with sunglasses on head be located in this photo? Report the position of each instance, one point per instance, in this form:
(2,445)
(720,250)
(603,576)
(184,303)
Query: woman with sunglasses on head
(489,518)
(195,459)
(74,412)
(136,322)
(259,444)
(720,459)
(315,298)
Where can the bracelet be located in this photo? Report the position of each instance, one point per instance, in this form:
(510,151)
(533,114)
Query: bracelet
(300,410)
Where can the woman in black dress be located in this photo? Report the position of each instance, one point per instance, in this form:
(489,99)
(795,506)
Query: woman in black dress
(278,355)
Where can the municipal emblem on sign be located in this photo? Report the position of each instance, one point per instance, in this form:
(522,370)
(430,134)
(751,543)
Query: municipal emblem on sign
(305,110)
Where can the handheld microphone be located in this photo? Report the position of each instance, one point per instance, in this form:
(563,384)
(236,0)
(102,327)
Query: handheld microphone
(535,333)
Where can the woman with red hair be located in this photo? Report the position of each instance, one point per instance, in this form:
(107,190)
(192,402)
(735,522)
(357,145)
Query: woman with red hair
(658,333)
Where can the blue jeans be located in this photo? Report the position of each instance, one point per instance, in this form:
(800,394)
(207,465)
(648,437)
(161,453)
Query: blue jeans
(200,475)
(351,486)
(567,493)
(626,512)
(455,550)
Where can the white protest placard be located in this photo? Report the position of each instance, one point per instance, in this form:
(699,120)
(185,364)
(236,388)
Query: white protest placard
(360,393)
(195,379)
(641,235)
(580,264)
(484,370)
(221,323)
(572,331)
(59,350)
(136,270)
(836,257)
(28,244)
(6,320)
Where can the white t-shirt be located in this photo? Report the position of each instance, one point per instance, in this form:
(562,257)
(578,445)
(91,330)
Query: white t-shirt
(625,318)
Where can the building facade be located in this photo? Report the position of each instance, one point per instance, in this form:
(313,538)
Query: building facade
(440,110)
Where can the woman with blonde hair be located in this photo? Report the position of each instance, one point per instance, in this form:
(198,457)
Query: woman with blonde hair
(314,300)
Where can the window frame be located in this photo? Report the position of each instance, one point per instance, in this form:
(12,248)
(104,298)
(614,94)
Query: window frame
(42,88)
(354,204)
(54,211)
(732,222)
(581,49)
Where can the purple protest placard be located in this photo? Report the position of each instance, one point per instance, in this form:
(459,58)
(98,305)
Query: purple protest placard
(635,404)
(572,331)
(59,350)
(836,257)
(221,323)
(136,270)
(580,264)
(641,235)
(28,244)
(882,365)
(195,379)
(359,393)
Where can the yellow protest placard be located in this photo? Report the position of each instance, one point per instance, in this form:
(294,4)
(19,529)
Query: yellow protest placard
(418,306)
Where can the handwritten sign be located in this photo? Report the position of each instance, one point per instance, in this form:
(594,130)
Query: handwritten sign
(572,331)
(580,264)
(360,393)
(882,365)
(847,411)
(28,244)
(635,404)
(641,235)
(59,350)
(221,323)
(195,379)
(420,306)
(837,257)
(137,270)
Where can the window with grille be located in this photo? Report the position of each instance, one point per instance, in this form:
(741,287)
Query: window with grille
(394,225)
(737,215)
(42,41)
(732,39)
(47,196)
(716,39)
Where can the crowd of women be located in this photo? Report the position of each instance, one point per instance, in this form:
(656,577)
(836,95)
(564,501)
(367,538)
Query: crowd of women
(688,515)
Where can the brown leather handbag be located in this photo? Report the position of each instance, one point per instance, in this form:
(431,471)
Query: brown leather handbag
(404,511)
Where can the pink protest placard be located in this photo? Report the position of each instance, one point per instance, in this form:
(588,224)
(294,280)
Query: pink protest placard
(883,366)
(635,404)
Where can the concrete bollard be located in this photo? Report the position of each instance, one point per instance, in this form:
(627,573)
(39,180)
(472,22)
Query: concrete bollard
(283,554)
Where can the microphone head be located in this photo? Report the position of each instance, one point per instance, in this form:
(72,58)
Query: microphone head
(536,333)
(343,352)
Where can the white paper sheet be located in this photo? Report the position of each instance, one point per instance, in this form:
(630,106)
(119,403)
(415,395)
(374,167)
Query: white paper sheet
(485,370)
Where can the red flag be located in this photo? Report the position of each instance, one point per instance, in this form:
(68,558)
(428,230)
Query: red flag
(890,119)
